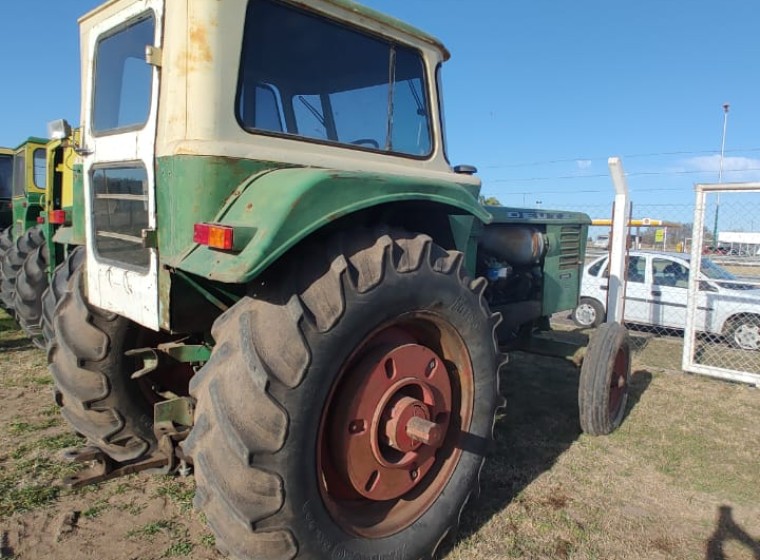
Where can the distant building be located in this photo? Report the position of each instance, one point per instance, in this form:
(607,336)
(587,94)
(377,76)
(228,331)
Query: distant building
(746,241)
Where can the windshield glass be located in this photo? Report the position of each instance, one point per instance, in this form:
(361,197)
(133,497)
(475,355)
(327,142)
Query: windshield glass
(19,174)
(307,76)
(715,272)
(6,175)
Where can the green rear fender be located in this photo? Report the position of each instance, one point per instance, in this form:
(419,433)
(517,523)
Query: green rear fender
(273,211)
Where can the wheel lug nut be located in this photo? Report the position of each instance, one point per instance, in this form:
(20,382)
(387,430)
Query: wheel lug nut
(414,474)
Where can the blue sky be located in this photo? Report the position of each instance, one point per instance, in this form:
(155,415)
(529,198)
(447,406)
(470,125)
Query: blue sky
(538,93)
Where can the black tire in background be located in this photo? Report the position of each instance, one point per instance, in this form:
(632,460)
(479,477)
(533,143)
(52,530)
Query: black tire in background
(31,283)
(270,400)
(92,376)
(56,289)
(589,313)
(605,380)
(13,260)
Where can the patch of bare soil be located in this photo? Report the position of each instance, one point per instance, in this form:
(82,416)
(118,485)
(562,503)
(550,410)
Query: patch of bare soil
(678,480)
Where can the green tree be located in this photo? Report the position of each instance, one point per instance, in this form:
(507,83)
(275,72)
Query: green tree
(490,201)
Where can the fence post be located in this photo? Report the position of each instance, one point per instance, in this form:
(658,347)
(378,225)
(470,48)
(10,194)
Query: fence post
(616,286)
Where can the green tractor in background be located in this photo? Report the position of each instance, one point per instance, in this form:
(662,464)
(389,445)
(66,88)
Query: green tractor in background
(23,235)
(44,240)
(6,191)
(288,286)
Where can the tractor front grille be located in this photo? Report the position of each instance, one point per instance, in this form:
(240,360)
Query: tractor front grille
(570,247)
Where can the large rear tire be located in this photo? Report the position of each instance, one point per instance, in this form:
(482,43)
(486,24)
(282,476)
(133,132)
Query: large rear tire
(302,443)
(56,289)
(13,261)
(605,380)
(31,283)
(92,376)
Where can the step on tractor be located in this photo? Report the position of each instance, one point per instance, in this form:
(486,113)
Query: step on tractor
(288,290)
(43,251)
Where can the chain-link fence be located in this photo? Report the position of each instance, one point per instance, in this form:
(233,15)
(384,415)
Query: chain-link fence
(721,336)
(723,313)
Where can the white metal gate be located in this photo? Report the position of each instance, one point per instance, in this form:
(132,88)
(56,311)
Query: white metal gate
(722,334)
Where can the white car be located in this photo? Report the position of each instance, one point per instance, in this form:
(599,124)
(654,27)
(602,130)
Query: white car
(656,294)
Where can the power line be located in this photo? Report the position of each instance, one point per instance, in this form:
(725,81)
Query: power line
(629,156)
(598,175)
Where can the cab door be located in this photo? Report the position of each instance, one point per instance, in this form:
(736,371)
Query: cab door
(119,121)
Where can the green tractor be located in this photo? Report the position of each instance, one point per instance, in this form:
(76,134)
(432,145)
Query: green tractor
(23,236)
(287,286)
(44,238)
(45,271)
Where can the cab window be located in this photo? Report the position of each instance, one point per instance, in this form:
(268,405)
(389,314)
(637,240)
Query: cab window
(123,78)
(334,83)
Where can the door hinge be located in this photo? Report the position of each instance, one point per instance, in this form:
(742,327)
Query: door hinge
(149,238)
(153,55)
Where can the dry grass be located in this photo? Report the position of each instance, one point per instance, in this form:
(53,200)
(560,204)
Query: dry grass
(678,480)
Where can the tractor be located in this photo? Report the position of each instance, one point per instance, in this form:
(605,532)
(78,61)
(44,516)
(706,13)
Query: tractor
(45,239)
(287,288)
(22,236)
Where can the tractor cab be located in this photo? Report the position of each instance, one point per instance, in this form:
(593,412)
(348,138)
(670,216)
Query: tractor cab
(29,183)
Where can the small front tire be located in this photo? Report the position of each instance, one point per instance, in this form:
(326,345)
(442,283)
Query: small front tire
(605,380)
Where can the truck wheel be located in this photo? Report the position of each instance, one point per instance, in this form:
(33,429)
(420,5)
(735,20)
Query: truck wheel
(346,409)
(14,259)
(54,292)
(31,283)
(92,376)
(589,313)
(604,382)
(744,332)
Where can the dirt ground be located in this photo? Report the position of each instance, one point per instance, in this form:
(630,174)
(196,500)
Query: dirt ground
(680,479)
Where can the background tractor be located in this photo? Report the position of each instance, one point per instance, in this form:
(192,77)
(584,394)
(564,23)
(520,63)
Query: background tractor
(23,236)
(47,243)
(287,284)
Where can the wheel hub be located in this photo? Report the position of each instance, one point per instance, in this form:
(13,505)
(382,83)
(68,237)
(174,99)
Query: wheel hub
(395,414)
(748,336)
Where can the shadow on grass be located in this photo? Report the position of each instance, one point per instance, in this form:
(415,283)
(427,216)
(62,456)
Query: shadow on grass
(728,530)
(539,424)
(15,345)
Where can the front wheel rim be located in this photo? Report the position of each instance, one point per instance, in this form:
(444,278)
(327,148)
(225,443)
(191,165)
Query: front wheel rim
(747,336)
(388,439)
(586,314)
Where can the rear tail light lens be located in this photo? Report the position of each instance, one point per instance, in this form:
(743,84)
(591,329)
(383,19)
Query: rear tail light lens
(57,216)
(214,236)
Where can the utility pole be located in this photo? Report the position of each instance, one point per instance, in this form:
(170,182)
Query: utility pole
(720,173)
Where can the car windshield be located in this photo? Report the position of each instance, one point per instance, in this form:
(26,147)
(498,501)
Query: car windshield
(715,272)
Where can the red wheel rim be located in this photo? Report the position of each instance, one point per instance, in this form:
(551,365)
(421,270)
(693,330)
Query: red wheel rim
(389,433)
(618,383)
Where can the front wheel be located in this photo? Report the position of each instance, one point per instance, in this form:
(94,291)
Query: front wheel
(605,380)
(744,332)
(346,409)
(589,313)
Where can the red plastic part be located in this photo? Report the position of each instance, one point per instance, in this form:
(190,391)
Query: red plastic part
(57,216)
(214,236)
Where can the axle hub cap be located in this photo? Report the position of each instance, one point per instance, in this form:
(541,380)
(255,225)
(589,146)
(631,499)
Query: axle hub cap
(396,415)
